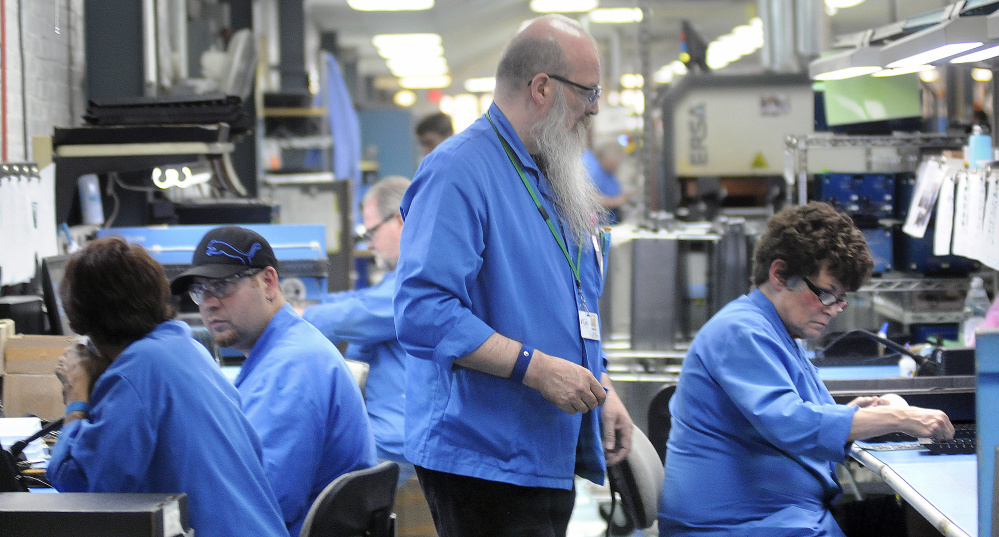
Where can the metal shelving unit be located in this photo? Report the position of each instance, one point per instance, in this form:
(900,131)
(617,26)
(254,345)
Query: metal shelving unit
(885,290)
(797,147)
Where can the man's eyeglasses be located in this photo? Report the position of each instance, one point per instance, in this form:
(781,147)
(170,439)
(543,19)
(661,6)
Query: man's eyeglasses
(826,297)
(366,237)
(219,287)
(592,94)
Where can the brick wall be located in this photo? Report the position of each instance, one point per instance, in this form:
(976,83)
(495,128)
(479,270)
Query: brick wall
(45,69)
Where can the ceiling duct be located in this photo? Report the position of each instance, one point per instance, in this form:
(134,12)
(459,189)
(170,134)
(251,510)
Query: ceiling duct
(795,32)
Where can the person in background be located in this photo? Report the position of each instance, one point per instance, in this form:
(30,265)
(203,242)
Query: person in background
(296,389)
(499,276)
(364,319)
(603,163)
(755,435)
(160,416)
(433,129)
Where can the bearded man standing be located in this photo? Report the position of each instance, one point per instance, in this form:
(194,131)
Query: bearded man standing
(500,271)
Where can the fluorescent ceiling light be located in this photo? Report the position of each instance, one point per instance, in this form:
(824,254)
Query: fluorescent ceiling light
(404,98)
(977,56)
(935,43)
(405,41)
(408,52)
(848,72)
(562,6)
(417,66)
(480,85)
(903,70)
(841,4)
(390,5)
(849,64)
(935,54)
(425,82)
(981,75)
(616,15)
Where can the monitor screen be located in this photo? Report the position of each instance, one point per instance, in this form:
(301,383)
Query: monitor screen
(52,271)
(857,104)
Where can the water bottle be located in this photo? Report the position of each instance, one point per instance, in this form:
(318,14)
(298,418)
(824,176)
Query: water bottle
(979,148)
(90,199)
(976,304)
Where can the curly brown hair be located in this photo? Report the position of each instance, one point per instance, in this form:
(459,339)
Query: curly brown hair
(809,237)
(115,292)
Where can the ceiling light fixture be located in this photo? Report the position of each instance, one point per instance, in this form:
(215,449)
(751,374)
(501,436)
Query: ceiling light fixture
(395,44)
(981,75)
(978,55)
(563,6)
(480,85)
(390,5)
(404,98)
(425,82)
(616,15)
(417,66)
(903,70)
(843,4)
(860,61)
(953,36)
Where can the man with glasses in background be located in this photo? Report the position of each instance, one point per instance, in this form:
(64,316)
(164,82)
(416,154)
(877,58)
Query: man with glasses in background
(500,273)
(755,435)
(294,385)
(364,319)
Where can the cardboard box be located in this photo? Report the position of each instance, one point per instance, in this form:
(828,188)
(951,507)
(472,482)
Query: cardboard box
(40,395)
(35,355)
(6,331)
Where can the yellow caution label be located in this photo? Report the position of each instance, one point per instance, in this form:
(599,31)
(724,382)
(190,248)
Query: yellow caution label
(759,162)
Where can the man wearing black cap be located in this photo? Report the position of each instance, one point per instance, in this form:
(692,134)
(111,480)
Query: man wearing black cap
(295,387)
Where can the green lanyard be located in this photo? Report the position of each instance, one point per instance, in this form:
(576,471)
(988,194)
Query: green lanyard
(541,210)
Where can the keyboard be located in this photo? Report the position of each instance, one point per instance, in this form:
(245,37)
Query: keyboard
(965,441)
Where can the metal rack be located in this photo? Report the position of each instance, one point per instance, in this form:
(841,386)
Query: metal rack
(884,304)
(797,147)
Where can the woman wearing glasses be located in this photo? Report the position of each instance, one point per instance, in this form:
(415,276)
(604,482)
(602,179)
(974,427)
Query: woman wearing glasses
(161,417)
(755,435)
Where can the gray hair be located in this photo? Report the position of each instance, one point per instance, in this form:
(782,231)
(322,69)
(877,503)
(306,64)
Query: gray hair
(530,53)
(387,193)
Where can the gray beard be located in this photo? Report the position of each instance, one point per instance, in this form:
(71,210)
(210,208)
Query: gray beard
(577,199)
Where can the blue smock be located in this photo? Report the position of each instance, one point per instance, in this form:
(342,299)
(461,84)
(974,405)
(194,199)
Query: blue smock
(364,319)
(304,403)
(755,434)
(606,182)
(164,419)
(477,258)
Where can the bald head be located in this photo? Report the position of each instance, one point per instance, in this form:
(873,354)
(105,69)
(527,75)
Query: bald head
(552,44)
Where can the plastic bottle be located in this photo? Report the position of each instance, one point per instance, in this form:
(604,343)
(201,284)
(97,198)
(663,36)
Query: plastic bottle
(906,366)
(90,199)
(979,148)
(976,304)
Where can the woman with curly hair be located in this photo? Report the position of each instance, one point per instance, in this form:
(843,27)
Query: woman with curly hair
(755,434)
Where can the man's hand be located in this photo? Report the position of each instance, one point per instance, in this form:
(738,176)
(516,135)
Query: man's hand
(77,369)
(616,427)
(566,385)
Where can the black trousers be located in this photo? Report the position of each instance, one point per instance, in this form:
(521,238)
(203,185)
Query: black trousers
(471,507)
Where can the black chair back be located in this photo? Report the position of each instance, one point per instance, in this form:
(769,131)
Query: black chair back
(356,504)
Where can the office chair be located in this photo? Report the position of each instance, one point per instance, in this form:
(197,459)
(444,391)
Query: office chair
(360,371)
(659,419)
(356,504)
(639,481)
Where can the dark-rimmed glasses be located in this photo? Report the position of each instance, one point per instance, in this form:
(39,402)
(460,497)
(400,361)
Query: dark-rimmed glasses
(219,287)
(826,297)
(592,94)
(366,237)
